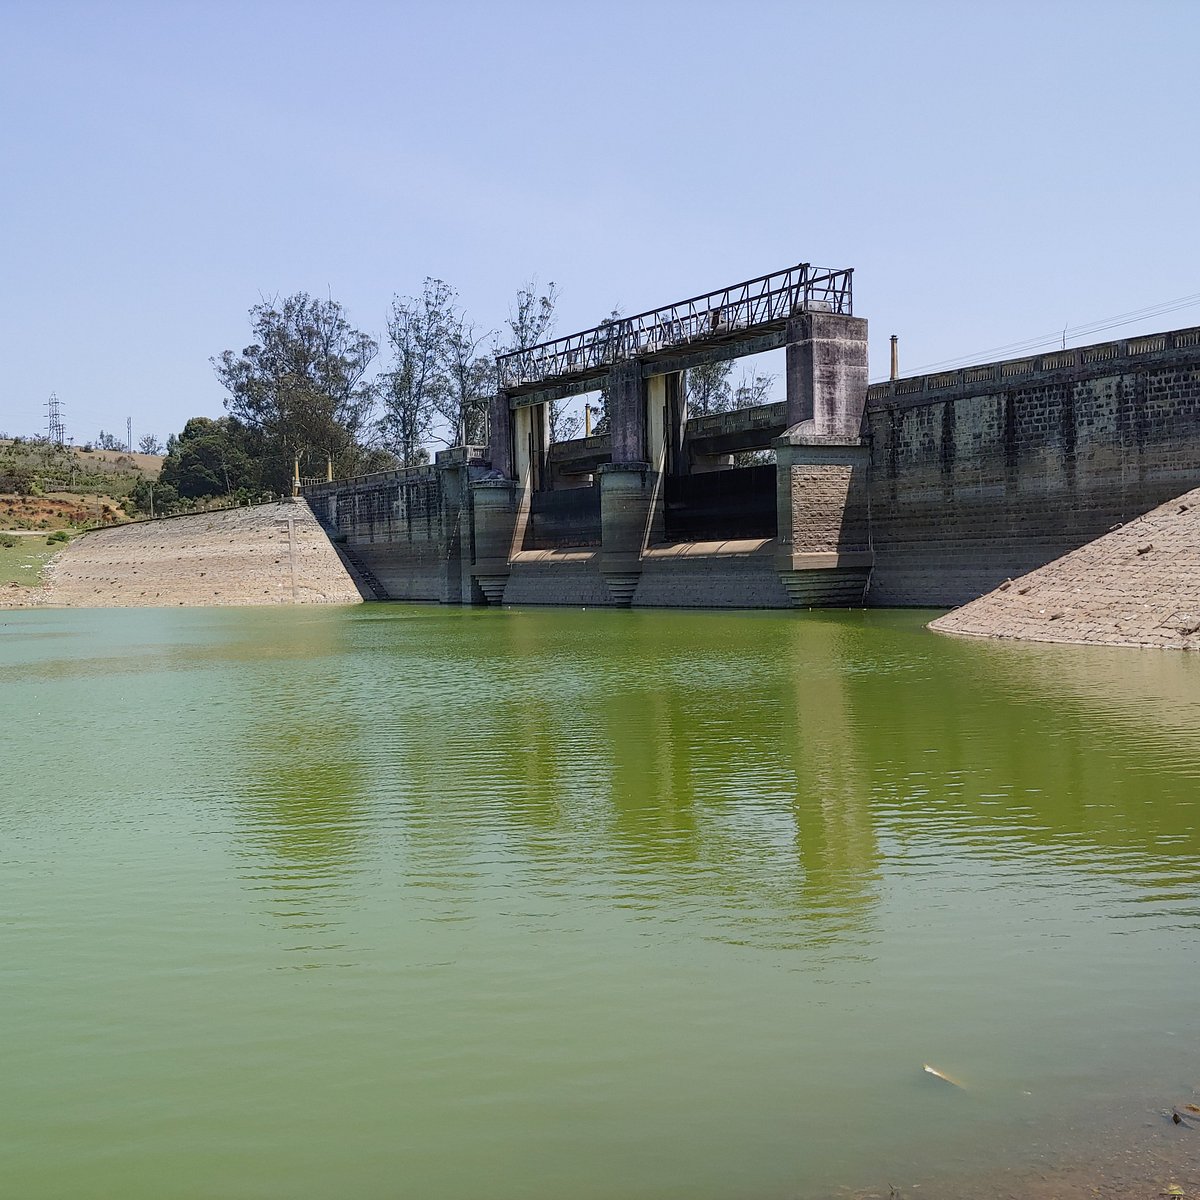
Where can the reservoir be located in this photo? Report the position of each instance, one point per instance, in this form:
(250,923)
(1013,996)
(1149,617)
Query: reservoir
(387,901)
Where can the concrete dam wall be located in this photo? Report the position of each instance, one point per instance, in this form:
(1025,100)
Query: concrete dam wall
(986,473)
(927,491)
(407,533)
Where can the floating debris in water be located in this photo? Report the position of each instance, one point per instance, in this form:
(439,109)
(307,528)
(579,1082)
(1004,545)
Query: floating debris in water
(943,1077)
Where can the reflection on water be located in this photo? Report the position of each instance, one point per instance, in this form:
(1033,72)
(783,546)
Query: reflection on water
(532,904)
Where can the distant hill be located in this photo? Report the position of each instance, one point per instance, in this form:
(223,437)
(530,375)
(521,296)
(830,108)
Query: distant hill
(47,486)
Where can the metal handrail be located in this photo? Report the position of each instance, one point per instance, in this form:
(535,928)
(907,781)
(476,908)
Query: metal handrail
(730,313)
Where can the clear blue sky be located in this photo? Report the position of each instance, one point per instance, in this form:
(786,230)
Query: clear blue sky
(993,171)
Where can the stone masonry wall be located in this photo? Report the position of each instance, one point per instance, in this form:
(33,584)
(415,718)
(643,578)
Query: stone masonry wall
(987,473)
(398,526)
(827,509)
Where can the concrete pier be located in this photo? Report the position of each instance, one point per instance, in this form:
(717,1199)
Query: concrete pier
(495,520)
(629,495)
(822,463)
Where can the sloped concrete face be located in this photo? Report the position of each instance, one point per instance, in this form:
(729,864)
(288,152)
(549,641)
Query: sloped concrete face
(267,554)
(732,574)
(1136,586)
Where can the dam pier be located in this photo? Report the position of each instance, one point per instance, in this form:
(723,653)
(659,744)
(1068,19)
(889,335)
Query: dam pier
(926,491)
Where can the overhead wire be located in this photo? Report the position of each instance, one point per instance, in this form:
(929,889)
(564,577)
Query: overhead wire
(1068,333)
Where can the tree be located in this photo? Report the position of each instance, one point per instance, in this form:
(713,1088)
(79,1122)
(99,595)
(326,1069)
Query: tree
(564,425)
(108,441)
(417,385)
(600,408)
(213,458)
(150,445)
(752,390)
(532,320)
(301,384)
(708,390)
(470,379)
(154,499)
(530,323)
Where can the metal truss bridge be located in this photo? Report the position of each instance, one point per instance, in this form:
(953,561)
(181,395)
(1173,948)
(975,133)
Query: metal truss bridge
(745,318)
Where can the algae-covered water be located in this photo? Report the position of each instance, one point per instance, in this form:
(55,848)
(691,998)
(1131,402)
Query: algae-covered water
(397,901)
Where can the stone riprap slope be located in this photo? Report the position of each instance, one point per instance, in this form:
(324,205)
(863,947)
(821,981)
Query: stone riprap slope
(1136,586)
(269,554)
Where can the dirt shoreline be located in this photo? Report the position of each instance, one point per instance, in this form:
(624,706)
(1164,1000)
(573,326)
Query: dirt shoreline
(1141,1154)
(267,554)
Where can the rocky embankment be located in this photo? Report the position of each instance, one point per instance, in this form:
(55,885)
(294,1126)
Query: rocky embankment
(269,554)
(1136,586)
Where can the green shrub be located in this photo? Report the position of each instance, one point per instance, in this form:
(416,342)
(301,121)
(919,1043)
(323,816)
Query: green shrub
(59,535)
(7,542)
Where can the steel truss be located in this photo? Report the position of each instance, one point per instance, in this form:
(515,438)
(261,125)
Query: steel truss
(732,314)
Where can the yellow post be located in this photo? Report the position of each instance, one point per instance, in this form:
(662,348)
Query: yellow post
(895,358)
(296,476)
(329,468)
(587,420)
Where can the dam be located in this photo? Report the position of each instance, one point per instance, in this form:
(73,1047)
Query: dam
(923,491)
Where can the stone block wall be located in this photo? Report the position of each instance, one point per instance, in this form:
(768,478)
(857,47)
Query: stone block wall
(828,500)
(987,473)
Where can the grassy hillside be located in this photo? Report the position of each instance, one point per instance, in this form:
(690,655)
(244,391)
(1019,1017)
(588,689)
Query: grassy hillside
(44,486)
(23,558)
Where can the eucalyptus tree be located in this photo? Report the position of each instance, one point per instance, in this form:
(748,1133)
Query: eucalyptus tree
(301,384)
(708,389)
(418,384)
(470,376)
(531,322)
(752,390)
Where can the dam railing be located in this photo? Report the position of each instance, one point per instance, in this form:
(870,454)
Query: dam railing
(935,386)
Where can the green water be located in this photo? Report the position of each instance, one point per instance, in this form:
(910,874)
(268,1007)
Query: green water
(405,902)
